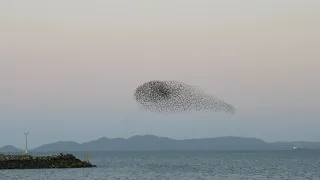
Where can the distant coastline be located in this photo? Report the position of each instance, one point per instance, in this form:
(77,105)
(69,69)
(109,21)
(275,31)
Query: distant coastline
(151,142)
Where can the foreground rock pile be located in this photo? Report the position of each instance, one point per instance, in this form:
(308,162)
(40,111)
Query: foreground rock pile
(39,162)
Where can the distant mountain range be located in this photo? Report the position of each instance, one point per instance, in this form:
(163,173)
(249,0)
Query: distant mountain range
(9,148)
(150,142)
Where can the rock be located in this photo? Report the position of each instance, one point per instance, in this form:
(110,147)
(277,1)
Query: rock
(39,162)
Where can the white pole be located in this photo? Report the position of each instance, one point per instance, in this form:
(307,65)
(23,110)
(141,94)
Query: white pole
(26,150)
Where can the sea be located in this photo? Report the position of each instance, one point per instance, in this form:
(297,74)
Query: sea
(184,165)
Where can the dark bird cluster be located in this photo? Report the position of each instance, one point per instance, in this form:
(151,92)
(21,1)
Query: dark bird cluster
(173,96)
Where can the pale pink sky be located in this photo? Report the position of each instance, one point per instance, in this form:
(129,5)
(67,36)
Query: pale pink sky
(78,61)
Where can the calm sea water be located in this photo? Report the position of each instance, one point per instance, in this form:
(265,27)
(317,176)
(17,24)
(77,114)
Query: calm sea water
(185,165)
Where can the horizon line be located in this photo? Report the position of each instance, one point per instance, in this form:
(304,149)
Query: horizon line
(30,149)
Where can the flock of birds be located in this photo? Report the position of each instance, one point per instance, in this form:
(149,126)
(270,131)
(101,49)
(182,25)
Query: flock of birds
(173,97)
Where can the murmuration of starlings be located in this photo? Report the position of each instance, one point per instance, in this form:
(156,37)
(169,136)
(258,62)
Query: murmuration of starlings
(176,97)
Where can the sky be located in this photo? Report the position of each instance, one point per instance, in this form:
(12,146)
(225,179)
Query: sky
(68,68)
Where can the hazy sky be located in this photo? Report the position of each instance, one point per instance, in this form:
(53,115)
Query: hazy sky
(68,68)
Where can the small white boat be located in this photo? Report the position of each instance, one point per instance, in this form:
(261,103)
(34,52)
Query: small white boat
(299,148)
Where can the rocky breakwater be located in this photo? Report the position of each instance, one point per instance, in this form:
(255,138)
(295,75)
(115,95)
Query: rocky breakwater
(40,162)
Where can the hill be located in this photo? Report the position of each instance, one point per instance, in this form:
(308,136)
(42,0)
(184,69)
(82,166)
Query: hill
(9,149)
(150,142)
(59,146)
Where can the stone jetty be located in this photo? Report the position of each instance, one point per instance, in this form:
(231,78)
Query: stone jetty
(42,162)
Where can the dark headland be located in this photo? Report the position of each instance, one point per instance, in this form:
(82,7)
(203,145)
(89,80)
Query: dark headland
(42,162)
